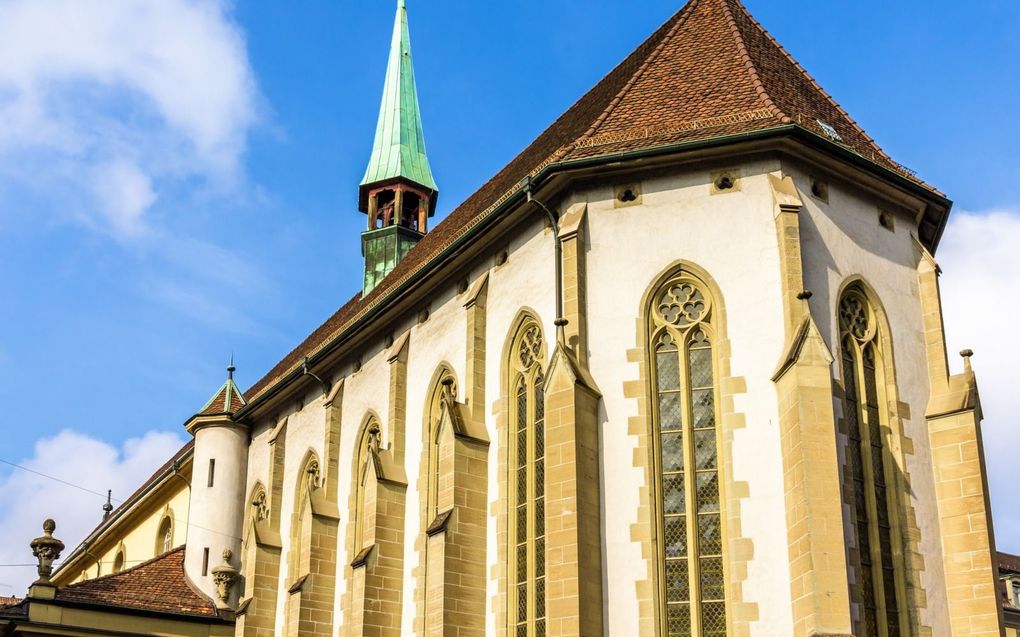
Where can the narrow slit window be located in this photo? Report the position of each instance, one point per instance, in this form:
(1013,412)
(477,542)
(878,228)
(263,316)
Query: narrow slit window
(212,472)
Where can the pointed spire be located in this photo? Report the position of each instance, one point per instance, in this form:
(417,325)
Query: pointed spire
(399,149)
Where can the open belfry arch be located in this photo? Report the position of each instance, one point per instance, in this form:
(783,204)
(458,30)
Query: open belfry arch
(677,370)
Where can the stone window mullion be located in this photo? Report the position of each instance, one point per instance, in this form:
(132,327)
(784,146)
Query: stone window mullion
(527,607)
(686,463)
(881,577)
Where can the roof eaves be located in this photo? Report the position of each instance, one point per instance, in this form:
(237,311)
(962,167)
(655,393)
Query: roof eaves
(470,229)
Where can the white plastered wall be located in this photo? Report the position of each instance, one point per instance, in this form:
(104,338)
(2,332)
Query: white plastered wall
(732,237)
(526,280)
(843,239)
(216,512)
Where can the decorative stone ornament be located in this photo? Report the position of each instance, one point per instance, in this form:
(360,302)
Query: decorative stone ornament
(46,549)
(225,576)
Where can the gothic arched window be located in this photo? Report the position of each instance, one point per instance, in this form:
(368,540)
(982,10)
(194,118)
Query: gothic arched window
(870,467)
(165,536)
(685,445)
(527,480)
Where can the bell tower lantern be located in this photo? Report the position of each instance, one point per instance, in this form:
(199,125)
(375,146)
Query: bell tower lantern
(398,193)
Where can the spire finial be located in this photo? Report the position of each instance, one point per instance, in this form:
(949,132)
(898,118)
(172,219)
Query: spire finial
(230,367)
(108,507)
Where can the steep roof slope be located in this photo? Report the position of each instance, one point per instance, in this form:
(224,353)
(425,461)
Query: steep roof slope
(710,71)
(158,585)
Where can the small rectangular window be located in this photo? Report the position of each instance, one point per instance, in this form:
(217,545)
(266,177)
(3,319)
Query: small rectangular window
(212,471)
(205,561)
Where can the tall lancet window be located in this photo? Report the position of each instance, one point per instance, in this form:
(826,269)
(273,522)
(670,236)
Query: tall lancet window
(685,444)
(871,468)
(527,466)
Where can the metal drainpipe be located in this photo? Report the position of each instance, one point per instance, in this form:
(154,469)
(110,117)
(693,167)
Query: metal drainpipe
(560,321)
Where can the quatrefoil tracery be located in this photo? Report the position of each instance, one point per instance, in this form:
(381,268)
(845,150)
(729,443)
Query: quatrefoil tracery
(855,317)
(683,304)
(529,350)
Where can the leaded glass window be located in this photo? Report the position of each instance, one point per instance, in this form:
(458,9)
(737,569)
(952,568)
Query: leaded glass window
(869,468)
(527,524)
(686,458)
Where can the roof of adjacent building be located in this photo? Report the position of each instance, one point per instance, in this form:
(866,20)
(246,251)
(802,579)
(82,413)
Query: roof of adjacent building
(158,585)
(710,72)
(9,601)
(399,149)
(1009,563)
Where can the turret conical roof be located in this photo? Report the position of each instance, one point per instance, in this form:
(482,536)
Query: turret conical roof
(227,399)
(399,149)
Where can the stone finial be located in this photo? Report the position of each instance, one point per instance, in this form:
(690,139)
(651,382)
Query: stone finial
(967,354)
(108,507)
(46,549)
(225,577)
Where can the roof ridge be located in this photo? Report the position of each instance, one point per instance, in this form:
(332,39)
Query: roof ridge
(749,65)
(814,83)
(681,18)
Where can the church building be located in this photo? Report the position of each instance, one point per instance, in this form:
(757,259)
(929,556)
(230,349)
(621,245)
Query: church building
(677,370)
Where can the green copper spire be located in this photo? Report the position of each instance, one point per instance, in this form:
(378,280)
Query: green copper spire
(399,149)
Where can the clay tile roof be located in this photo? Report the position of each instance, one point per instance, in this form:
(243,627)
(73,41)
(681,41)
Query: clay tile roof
(9,601)
(710,71)
(225,401)
(158,585)
(1009,562)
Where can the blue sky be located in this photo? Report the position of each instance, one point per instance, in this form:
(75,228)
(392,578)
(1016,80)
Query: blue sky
(178,179)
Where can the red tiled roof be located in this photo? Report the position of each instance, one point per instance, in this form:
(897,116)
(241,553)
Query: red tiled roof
(710,71)
(1009,562)
(228,400)
(158,585)
(8,601)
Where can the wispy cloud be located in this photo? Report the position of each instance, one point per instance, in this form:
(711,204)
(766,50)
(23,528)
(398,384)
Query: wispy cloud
(106,103)
(981,305)
(26,499)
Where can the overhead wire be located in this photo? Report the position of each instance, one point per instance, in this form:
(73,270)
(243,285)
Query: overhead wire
(101,495)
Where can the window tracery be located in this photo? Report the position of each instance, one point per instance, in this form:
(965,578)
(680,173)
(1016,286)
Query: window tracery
(686,461)
(870,468)
(165,535)
(527,526)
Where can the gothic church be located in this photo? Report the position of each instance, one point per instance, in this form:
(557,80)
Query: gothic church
(677,370)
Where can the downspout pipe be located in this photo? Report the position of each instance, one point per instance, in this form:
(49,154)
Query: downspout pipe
(554,221)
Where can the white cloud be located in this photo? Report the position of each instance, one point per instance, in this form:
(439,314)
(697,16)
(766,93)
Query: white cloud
(125,193)
(109,99)
(981,304)
(26,499)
